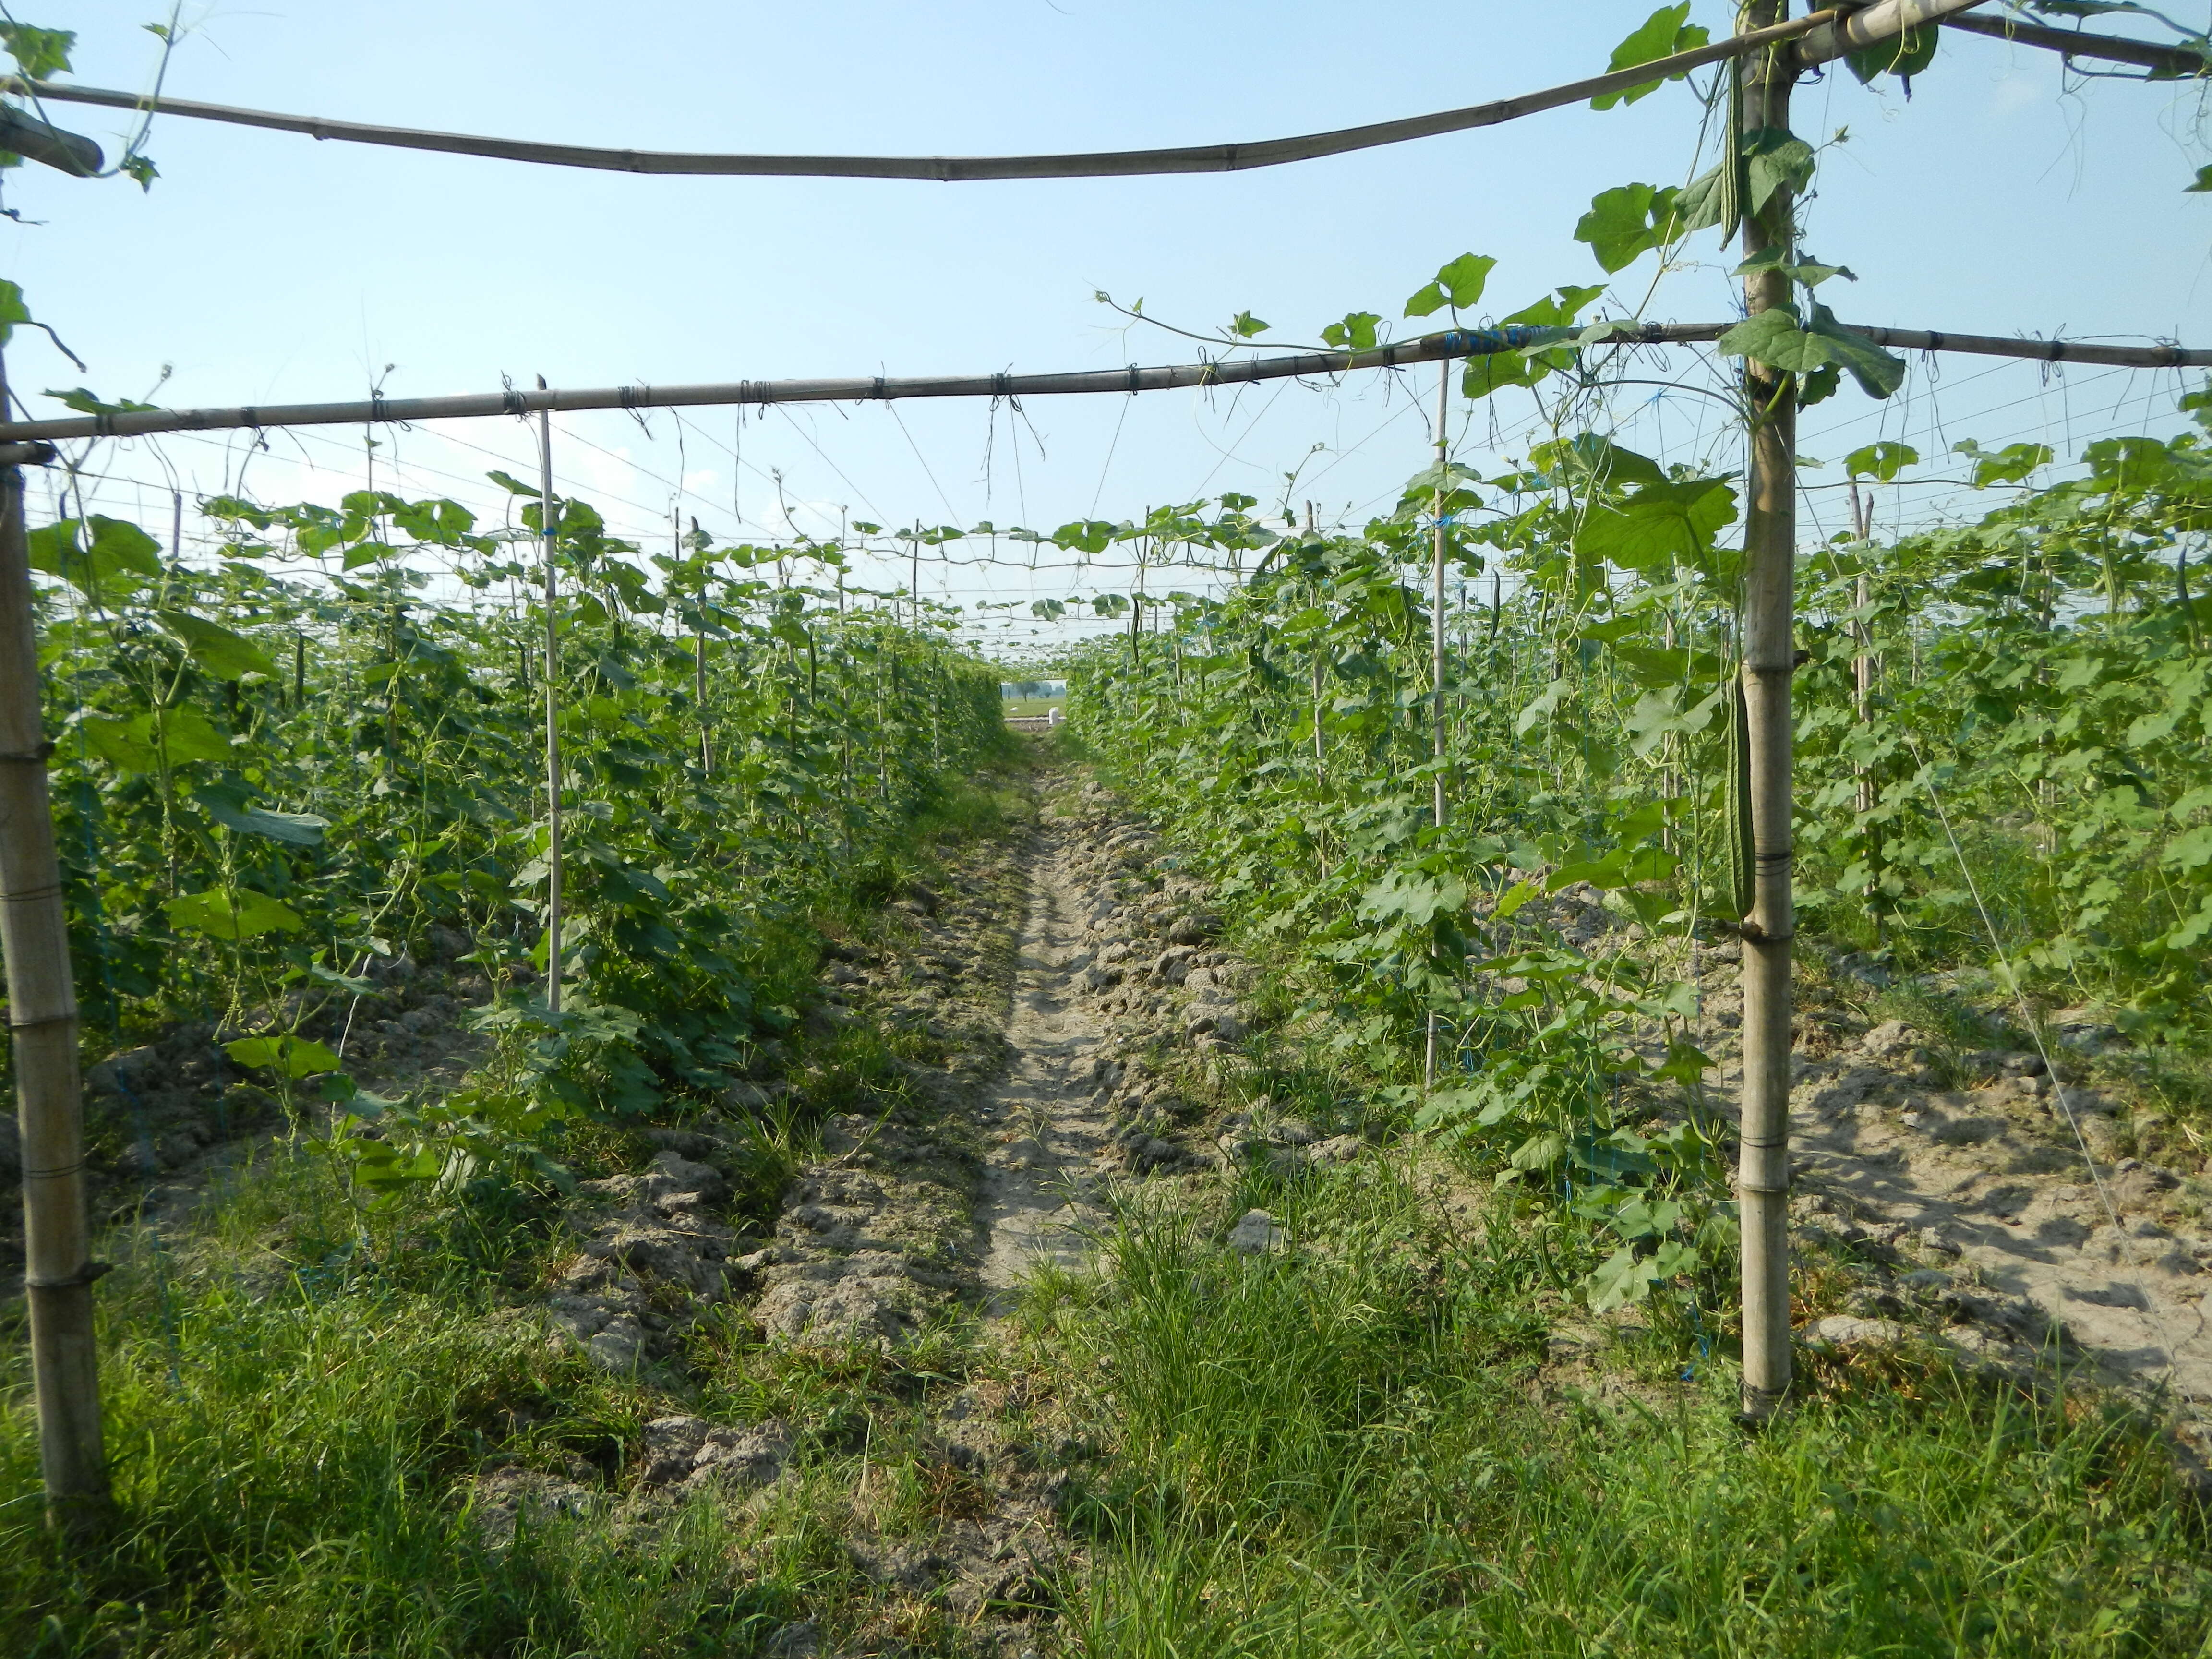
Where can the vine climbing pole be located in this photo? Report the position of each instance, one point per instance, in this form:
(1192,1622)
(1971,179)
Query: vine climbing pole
(1769,662)
(1436,654)
(58,1270)
(549,527)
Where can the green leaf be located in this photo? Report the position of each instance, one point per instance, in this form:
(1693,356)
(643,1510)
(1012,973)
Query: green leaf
(1084,536)
(140,168)
(40,54)
(1659,525)
(226,655)
(87,402)
(1777,338)
(1811,273)
(246,915)
(2007,465)
(1819,385)
(1484,375)
(1666,32)
(126,743)
(515,486)
(1673,667)
(118,553)
(2203,184)
(1415,899)
(1628,221)
(296,1057)
(1458,284)
(1904,55)
(2188,850)
(1621,1278)
(1549,351)
(1539,1151)
(1514,898)
(1542,705)
(136,743)
(2130,465)
(1556,309)
(1775,158)
(1606,464)
(1710,200)
(1355,333)
(228,805)
(1882,461)
(1244,325)
(439,521)
(12,310)
(1462,280)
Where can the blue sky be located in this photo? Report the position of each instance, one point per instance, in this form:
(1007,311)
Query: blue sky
(269,268)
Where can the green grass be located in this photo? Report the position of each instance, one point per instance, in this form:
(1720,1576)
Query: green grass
(293,1416)
(1356,1449)
(1033,707)
(301,1396)
(1370,1444)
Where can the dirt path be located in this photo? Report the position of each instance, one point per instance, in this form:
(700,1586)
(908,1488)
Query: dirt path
(1049,1140)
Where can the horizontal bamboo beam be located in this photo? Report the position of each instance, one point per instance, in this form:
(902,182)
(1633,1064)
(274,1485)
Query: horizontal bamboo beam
(2041,351)
(1855,31)
(22,135)
(2183,62)
(1428,348)
(1196,158)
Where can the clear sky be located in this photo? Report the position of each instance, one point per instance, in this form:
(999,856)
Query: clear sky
(2000,197)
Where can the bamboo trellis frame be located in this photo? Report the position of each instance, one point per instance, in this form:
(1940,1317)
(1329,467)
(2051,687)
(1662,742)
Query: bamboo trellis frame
(1195,158)
(30,907)
(1428,348)
(1818,39)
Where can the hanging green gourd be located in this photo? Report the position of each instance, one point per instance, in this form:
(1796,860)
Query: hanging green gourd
(1741,891)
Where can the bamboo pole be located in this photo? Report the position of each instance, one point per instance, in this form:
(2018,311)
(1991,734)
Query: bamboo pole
(1769,661)
(42,1025)
(2165,60)
(1429,348)
(549,527)
(1839,32)
(1197,158)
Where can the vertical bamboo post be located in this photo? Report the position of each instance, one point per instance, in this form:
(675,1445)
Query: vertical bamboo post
(1437,654)
(549,527)
(1769,661)
(57,1269)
